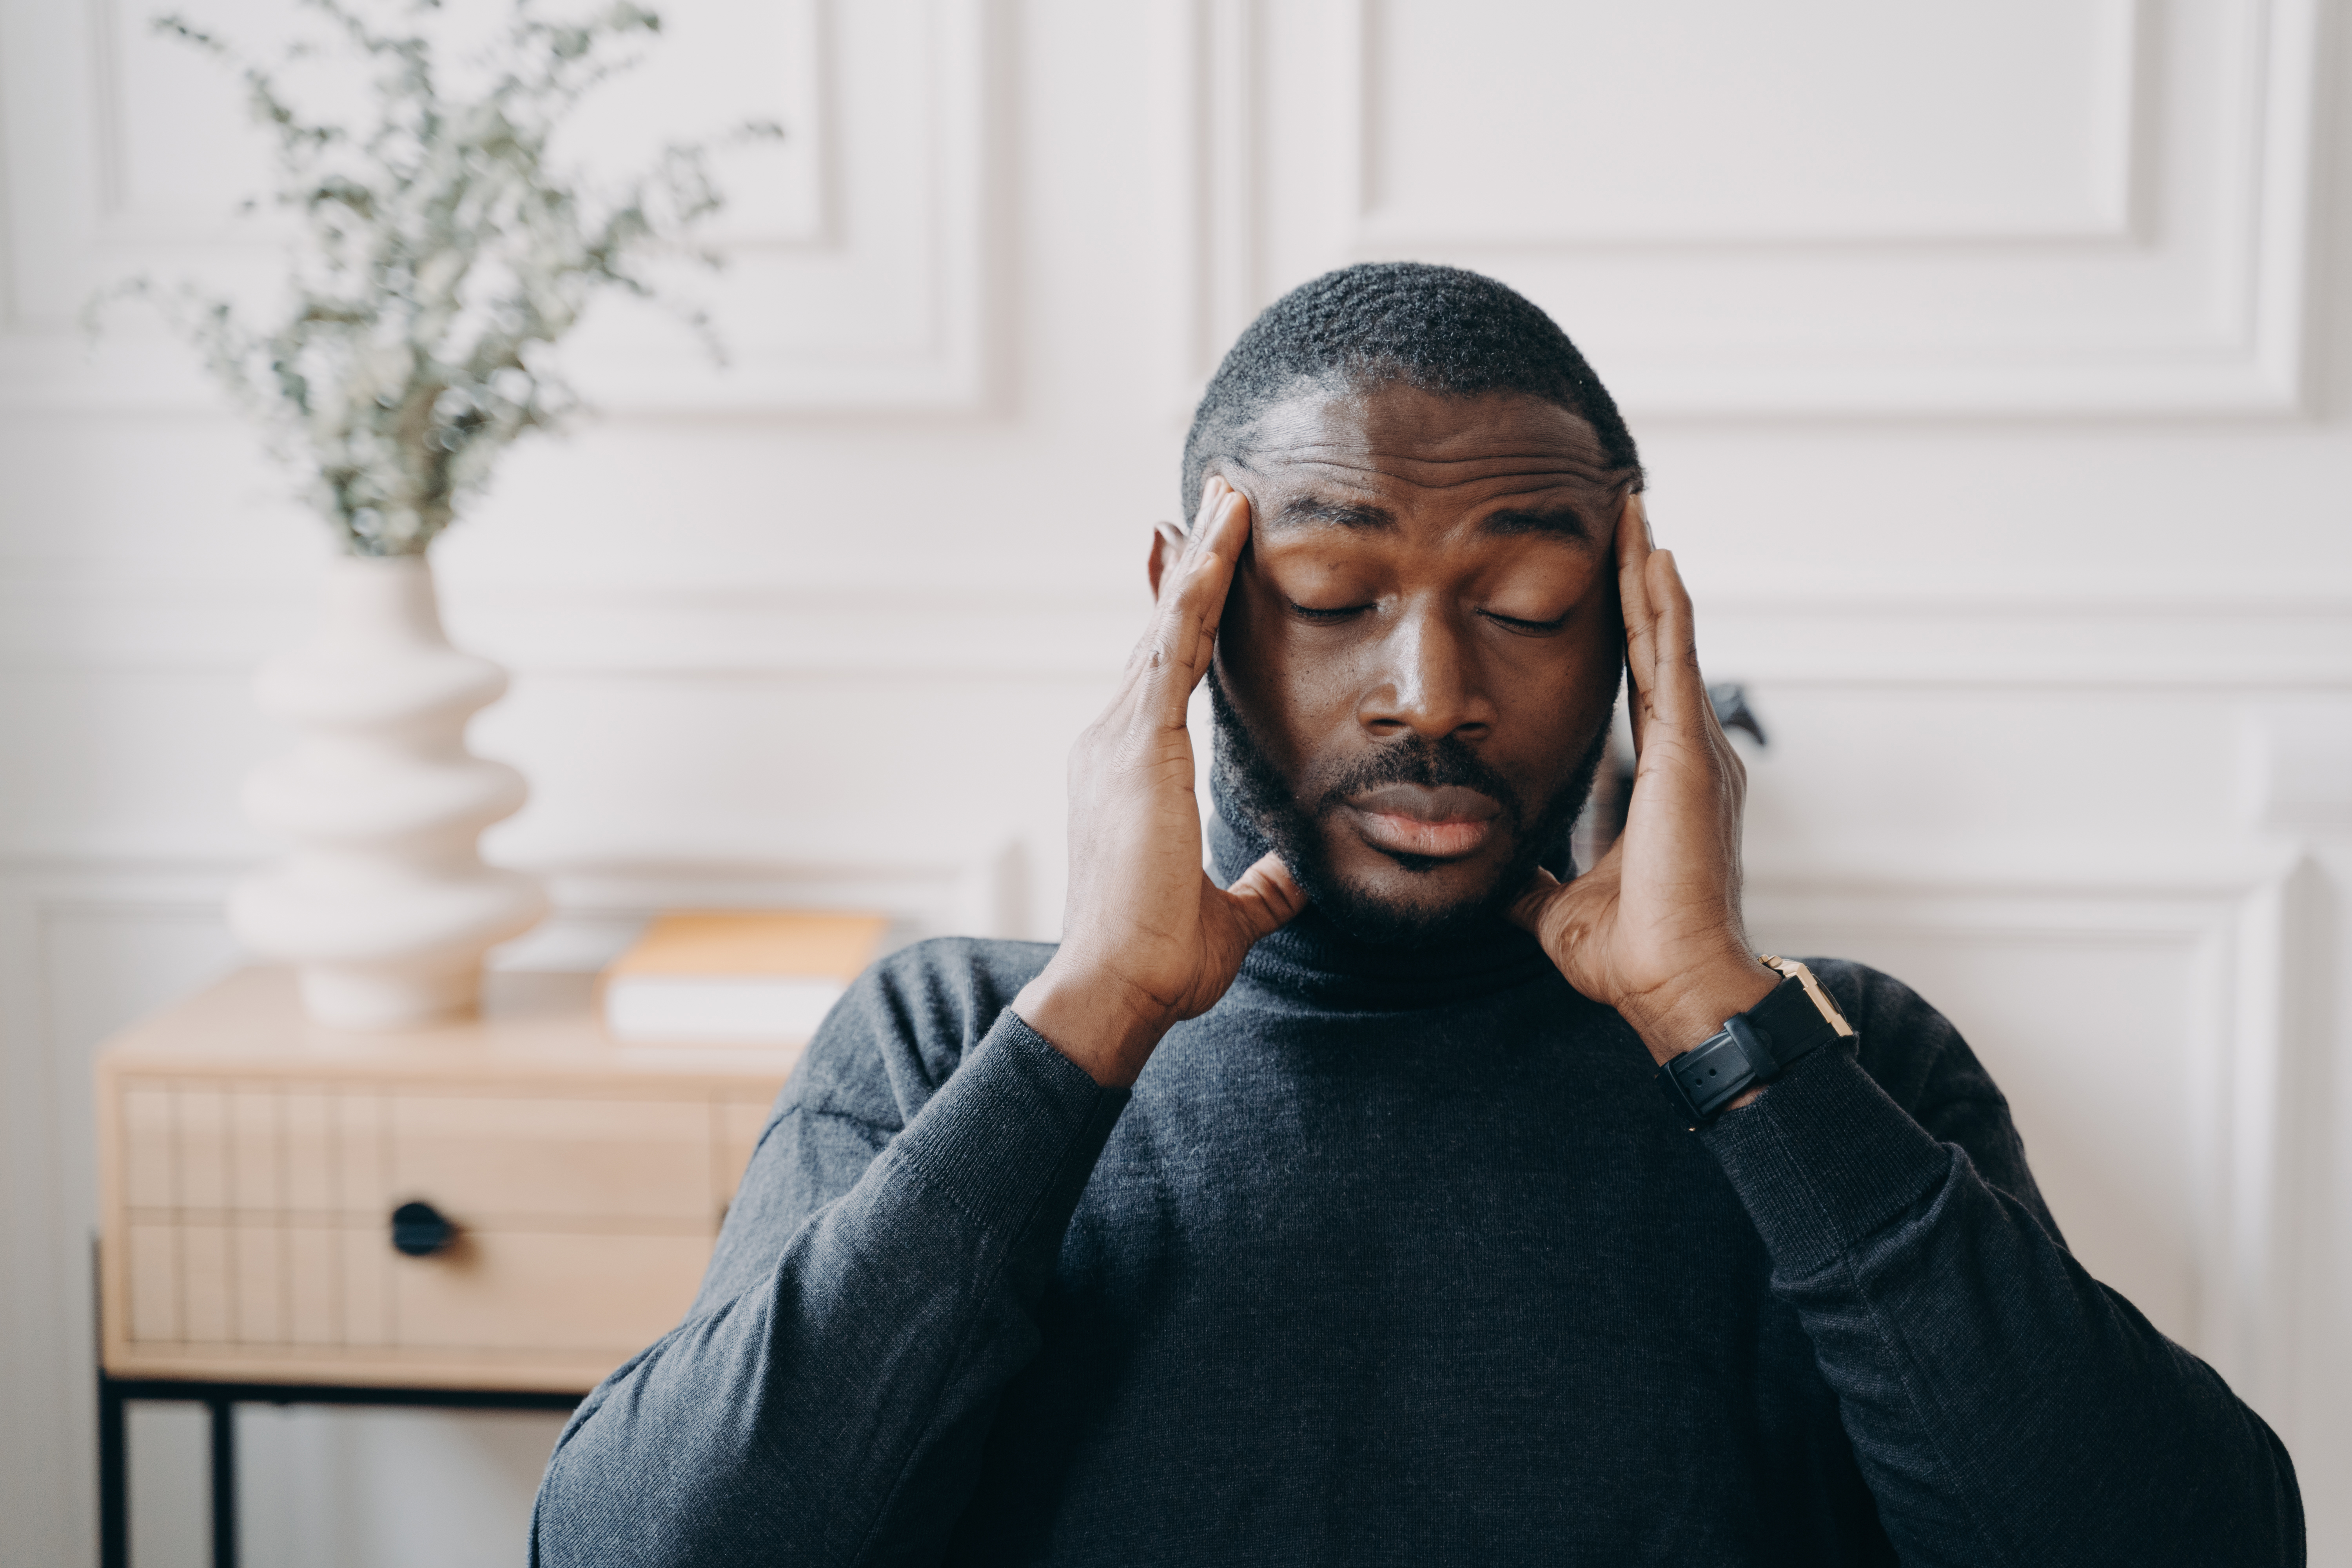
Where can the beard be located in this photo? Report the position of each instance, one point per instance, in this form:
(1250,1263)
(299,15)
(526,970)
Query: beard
(1261,804)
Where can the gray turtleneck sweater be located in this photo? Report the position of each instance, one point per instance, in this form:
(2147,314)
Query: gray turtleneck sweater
(1396,1257)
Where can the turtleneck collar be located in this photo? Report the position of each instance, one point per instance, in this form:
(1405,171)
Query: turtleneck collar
(1312,957)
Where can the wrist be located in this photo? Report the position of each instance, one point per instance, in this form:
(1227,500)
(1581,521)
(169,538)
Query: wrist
(1093,1018)
(1680,1017)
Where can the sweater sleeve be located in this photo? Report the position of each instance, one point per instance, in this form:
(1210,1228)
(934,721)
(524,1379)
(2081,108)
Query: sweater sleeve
(827,1397)
(2004,1406)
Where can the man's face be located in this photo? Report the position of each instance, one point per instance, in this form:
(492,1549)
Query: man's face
(1418,660)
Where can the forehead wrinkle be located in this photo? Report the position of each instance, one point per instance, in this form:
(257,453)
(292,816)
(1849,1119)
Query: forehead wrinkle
(1523,495)
(1418,435)
(1313,452)
(1510,513)
(1508,482)
(1346,458)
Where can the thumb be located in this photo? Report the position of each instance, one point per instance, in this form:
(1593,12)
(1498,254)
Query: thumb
(1528,908)
(1265,897)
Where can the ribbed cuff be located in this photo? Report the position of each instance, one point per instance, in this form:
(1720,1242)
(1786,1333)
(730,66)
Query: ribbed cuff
(1016,1123)
(1823,1158)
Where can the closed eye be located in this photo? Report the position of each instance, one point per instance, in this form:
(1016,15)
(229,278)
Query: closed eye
(1526,628)
(1326,617)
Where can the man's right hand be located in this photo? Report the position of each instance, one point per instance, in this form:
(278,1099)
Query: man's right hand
(1148,939)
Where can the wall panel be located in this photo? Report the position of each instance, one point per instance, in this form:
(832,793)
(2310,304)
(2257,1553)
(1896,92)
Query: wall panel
(2136,1032)
(855,250)
(1746,215)
(1857,125)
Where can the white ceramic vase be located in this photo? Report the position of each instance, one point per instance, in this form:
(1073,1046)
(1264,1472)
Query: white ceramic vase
(385,907)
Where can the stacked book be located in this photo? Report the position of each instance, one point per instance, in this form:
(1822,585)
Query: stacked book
(748,977)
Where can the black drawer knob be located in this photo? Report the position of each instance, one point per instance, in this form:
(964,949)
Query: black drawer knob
(420,1230)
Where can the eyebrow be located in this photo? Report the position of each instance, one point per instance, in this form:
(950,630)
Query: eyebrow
(1301,510)
(1556,520)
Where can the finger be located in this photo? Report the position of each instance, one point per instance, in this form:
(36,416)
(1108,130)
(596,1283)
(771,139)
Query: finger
(1216,496)
(1151,649)
(1213,490)
(1223,542)
(1217,550)
(1638,608)
(1264,898)
(1633,542)
(1183,635)
(1528,908)
(1680,699)
(1682,682)
(1185,539)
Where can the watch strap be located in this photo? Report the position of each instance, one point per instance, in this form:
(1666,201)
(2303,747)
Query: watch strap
(1795,1017)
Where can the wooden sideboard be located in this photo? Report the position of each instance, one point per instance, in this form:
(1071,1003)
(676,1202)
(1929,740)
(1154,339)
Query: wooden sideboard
(251,1162)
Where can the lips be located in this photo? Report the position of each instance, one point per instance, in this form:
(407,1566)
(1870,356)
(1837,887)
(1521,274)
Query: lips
(1443,823)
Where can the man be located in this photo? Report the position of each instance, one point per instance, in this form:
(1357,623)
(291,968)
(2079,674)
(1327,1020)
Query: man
(1325,1212)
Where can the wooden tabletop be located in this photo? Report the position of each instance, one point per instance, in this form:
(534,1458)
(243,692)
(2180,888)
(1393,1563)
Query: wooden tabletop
(533,1025)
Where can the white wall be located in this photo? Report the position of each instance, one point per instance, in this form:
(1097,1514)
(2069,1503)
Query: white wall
(1990,361)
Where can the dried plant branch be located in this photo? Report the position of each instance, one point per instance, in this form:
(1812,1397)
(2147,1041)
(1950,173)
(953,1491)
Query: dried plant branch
(441,256)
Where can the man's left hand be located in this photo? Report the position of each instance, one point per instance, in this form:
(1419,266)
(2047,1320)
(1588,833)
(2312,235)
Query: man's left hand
(1654,929)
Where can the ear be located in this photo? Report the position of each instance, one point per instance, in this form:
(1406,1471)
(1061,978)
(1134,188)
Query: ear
(1166,546)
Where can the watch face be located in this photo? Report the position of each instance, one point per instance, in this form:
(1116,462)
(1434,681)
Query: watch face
(1821,998)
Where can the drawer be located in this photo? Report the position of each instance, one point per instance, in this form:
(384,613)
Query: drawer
(485,1158)
(250,1230)
(537,1290)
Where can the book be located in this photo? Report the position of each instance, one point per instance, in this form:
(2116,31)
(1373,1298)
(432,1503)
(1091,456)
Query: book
(751,977)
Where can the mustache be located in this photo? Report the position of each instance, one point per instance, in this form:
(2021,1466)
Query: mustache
(1418,759)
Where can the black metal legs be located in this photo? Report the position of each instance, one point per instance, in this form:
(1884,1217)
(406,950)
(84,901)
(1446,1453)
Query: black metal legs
(224,1426)
(220,1401)
(113,1480)
(114,1477)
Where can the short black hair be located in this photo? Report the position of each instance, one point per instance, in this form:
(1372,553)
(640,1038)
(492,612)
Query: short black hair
(1441,328)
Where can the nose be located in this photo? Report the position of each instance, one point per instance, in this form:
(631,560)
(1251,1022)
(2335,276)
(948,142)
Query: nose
(1427,682)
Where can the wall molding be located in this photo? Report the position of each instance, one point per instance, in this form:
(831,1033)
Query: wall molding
(2123,154)
(47,1468)
(2190,298)
(2243,918)
(1204,114)
(851,628)
(869,293)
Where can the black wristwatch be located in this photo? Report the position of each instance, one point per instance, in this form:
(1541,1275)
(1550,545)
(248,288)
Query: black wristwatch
(1756,1047)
